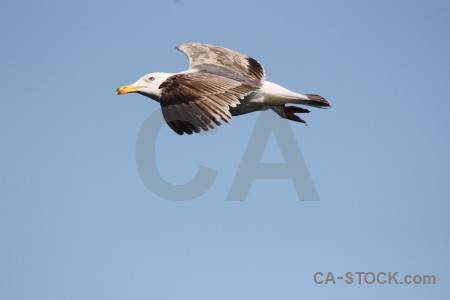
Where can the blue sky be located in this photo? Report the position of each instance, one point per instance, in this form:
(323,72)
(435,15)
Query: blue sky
(77,221)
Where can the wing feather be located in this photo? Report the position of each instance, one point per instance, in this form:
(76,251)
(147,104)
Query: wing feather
(222,61)
(193,102)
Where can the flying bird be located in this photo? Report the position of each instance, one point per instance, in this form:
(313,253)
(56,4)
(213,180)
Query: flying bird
(220,83)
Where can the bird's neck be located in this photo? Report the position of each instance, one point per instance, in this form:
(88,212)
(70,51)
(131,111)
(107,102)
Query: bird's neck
(155,92)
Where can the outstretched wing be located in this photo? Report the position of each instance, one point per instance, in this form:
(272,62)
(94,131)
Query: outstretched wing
(194,101)
(222,61)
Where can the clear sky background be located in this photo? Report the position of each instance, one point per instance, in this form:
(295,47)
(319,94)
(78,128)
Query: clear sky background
(77,222)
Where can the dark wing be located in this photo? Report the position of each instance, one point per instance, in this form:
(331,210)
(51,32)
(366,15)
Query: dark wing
(194,101)
(222,61)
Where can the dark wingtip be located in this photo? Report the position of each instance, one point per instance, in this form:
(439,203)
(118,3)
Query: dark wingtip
(255,68)
(317,101)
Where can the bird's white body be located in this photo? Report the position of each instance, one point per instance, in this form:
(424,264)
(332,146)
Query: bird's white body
(270,94)
(274,94)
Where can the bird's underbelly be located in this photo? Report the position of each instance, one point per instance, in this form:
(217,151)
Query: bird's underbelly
(270,94)
(251,103)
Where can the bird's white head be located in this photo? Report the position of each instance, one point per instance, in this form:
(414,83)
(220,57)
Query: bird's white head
(147,85)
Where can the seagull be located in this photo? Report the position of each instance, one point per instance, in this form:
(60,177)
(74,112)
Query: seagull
(220,83)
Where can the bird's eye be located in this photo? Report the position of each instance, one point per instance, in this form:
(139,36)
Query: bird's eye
(151,78)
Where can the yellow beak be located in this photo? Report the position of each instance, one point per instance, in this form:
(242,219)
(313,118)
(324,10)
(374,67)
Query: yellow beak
(127,89)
